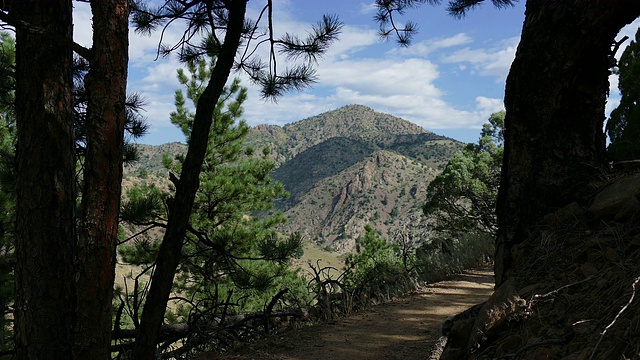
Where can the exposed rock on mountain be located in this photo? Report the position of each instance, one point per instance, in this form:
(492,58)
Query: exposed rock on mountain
(385,189)
(344,169)
(351,167)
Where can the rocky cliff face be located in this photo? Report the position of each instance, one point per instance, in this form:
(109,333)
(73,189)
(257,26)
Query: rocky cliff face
(385,190)
(351,167)
(345,169)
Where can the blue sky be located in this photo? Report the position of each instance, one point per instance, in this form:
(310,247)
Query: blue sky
(448,81)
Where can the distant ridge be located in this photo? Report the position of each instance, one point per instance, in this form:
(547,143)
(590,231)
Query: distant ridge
(374,165)
(344,169)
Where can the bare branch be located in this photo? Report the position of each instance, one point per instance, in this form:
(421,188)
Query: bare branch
(633,294)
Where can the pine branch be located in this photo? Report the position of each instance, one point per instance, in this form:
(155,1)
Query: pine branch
(388,25)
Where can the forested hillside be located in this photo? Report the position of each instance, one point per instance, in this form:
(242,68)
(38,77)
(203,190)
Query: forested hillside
(212,264)
(343,169)
(369,128)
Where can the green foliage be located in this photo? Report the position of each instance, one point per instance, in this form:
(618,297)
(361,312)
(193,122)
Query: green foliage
(205,21)
(624,125)
(143,205)
(463,196)
(443,257)
(376,269)
(135,126)
(232,262)
(382,269)
(141,252)
(247,277)
(7,69)
(7,183)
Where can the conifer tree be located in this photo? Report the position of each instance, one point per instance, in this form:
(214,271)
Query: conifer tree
(64,311)
(231,261)
(226,32)
(463,197)
(624,125)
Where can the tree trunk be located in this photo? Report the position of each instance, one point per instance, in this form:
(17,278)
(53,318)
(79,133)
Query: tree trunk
(180,211)
(45,192)
(555,100)
(97,235)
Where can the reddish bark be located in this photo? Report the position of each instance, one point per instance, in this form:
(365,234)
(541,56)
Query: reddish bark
(97,235)
(45,300)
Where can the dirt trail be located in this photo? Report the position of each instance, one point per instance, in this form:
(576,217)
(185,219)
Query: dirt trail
(402,329)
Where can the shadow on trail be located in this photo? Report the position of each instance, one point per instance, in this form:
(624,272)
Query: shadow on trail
(405,328)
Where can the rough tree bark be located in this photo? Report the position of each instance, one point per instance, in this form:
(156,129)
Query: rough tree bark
(45,225)
(102,177)
(555,100)
(64,276)
(186,188)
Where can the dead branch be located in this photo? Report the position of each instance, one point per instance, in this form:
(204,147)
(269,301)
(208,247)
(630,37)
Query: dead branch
(538,296)
(633,294)
(438,348)
(269,308)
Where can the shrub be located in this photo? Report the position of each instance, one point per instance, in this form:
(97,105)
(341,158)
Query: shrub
(443,257)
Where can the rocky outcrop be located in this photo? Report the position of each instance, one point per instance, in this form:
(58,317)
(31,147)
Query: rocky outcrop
(384,190)
(618,201)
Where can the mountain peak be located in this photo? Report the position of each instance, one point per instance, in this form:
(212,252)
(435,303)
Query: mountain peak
(347,168)
(354,121)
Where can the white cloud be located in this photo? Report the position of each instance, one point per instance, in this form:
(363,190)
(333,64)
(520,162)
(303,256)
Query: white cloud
(402,81)
(494,61)
(611,104)
(402,88)
(82,28)
(158,109)
(613,85)
(160,76)
(489,105)
(352,39)
(426,47)
(382,77)
(368,8)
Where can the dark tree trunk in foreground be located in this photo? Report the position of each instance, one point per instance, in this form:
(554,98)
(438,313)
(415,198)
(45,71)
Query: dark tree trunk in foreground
(180,211)
(555,100)
(45,178)
(97,235)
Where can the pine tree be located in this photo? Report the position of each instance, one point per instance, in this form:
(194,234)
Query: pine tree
(226,32)
(225,242)
(57,248)
(463,197)
(231,261)
(7,184)
(624,125)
